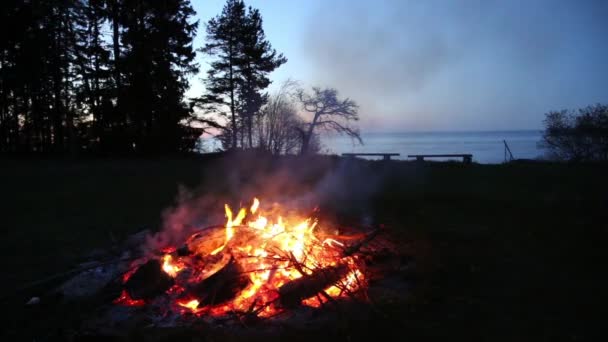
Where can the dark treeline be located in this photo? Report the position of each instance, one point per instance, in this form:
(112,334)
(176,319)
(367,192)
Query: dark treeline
(109,77)
(103,76)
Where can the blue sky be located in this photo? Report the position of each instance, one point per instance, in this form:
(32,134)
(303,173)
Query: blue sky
(440,65)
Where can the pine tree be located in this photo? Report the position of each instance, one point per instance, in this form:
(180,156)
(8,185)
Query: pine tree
(66,85)
(92,59)
(258,60)
(239,73)
(224,41)
(158,57)
(39,79)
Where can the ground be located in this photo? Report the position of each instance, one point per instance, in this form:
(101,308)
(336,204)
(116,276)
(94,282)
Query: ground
(506,252)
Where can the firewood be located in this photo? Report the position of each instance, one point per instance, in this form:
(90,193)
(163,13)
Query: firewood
(206,240)
(357,246)
(292,293)
(221,286)
(148,281)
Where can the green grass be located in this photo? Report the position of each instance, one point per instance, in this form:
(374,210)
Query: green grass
(508,252)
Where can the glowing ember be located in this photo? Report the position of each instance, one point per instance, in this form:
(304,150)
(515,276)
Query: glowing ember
(192,305)
(270,252)
(169,267)
(125,299)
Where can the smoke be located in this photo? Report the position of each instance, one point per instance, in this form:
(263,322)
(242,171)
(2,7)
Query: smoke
(458,64)
(190,212)
(376,48)
(296,184)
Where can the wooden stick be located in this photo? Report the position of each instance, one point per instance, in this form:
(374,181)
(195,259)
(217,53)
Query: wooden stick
(348,251)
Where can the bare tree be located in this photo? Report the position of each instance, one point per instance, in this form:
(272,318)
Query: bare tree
(278,123)
(329,113)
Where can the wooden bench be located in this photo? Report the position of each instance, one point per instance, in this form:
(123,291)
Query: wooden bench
(466,158)
(385,156)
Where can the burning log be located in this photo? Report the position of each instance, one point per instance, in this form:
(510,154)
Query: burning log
(205,241)
(357,246)
(293,292)
(221,286)
(253,264)
(148,281)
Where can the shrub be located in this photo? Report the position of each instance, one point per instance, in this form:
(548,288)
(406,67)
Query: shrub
(580,135)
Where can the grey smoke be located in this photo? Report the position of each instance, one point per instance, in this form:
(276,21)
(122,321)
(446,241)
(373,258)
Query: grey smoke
(340,188)
(460,64)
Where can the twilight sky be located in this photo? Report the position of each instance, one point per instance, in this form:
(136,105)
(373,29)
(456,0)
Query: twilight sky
(440,65)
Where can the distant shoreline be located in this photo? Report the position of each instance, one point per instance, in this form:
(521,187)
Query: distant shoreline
(451,132)
(487,147)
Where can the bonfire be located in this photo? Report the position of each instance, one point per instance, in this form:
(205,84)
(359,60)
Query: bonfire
(258,264)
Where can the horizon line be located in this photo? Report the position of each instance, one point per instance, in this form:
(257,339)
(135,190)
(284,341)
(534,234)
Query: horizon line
(454,131)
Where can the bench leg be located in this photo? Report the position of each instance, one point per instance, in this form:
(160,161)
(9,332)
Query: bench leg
(386,157)
(467,160)
(419,159)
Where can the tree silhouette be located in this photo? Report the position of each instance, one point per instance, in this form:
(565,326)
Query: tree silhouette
(224,40)
(259,59)
(38,79)
(156,65)
(239,73)
(67,85)
(109,76)
(278,126)
(93,65)
(328,113)
(577,135)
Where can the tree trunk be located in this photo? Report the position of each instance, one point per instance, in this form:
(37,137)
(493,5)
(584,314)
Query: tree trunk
(57,110)
(69,115)
(116,48)
(4,111)
(232,109)
(249,129)
(308,135)
(96,102)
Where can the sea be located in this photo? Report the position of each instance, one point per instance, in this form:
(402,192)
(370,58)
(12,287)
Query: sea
(487,147)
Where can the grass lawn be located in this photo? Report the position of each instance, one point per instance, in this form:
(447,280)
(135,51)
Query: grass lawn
(508,252)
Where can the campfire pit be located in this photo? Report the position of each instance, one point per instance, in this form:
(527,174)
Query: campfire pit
(265,267)
(259,263)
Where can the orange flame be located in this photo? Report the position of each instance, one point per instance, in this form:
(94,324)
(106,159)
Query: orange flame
(271,269)
(271,250)
(192,305)
(170,268)
(230,223)
(255,205)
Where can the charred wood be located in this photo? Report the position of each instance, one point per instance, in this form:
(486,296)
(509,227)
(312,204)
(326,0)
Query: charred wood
(222,286)
(357,246)
(148,281)
(292,293)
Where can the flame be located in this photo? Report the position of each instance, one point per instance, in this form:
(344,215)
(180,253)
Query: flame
(230,223)
(192,305)
(170,268)
(332,242)
(271,250)
(255,205)
(296,240)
